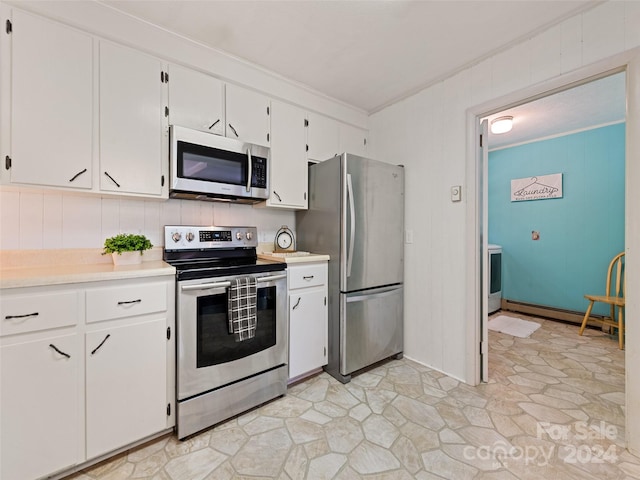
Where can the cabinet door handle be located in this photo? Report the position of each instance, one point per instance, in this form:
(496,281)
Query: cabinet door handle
(111,178)
(308,277)
(9,317)
(276,194)
(214,124)
(77,175)
(101,343)
(59,351)
(233,130)
(128,302)
(297,303)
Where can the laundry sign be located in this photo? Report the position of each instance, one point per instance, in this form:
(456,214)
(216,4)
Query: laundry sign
(536,188)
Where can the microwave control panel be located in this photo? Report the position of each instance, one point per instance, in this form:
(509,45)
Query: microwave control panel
(259,176)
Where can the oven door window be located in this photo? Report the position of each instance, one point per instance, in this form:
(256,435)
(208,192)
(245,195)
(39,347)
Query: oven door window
(215,345)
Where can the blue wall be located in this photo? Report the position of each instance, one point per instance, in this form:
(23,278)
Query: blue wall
(579,233)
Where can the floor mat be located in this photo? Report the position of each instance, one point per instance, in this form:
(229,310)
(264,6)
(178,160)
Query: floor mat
(513,326)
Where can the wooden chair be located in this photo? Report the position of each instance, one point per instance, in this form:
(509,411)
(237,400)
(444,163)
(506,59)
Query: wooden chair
(616,300)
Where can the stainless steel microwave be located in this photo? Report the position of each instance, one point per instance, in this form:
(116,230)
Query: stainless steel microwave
(204,166)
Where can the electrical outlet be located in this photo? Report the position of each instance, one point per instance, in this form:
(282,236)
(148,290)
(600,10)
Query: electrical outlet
(408,236)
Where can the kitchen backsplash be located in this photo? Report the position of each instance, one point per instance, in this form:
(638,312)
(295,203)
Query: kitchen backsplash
(35,220)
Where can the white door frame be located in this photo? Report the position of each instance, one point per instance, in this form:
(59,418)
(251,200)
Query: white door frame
(476,216)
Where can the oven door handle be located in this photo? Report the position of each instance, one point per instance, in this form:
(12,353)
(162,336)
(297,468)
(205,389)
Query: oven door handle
(208,286)
(205,286)
(272,278)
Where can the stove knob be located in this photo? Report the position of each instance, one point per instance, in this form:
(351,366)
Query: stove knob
(238,235)
(249,235)
(176,236)
(190,236)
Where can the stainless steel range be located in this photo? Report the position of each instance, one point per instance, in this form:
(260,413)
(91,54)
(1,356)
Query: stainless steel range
(219,376)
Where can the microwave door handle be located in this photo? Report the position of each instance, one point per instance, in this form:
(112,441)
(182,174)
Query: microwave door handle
(250,169)
(352,229)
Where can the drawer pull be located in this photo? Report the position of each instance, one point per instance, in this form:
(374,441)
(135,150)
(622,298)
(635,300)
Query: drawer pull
(101,343)
(9,317)
(308,277)
(297,303)
(59,351)
(128,302)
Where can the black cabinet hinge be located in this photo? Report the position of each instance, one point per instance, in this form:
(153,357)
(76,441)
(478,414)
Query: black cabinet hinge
(307,147)
(305,195)
(162,180)
(168,333)
(168,409)
(164,77)
(7,162)
(267,137)
(306,122)
(166,111)
(365,142)
(480,141)
(268,111)
(9,27)
(325,300)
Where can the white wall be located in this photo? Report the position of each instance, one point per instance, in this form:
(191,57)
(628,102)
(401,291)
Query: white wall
(427,133)
(52,220)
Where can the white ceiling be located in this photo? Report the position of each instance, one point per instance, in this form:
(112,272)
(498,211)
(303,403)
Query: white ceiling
(596,103)
(365,53)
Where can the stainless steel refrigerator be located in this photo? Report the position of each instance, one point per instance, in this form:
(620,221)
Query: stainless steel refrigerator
(356,215)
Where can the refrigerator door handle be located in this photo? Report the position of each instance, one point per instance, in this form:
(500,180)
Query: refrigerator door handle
(379,293)
(352,232)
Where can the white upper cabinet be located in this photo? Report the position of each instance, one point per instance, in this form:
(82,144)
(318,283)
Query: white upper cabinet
(247,115)
(353,140)
(131,121)
(323,137)
(51,103)
(288,177)
(327,138)
(195,100)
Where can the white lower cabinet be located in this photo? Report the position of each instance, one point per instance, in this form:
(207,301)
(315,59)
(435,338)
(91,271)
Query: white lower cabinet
(125,384)
(39,402)
(76,385)
(308,321)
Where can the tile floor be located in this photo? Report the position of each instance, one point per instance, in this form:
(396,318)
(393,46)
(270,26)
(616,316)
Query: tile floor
(554,409)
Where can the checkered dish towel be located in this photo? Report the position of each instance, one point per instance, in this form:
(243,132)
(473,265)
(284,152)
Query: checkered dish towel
(242,308)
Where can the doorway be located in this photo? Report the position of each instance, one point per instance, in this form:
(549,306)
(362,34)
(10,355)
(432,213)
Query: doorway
(557,233)
(477,215)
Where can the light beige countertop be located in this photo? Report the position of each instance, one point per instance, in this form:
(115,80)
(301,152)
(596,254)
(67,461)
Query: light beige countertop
(311,257)
(31,268)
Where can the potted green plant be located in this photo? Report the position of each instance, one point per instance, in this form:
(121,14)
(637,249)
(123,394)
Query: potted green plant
(126,248)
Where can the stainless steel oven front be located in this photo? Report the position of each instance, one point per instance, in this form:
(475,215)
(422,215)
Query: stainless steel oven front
(218,377)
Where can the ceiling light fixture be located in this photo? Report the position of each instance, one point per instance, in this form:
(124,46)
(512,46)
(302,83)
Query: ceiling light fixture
(501,124)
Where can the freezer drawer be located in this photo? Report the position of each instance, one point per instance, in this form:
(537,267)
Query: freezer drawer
(371,327)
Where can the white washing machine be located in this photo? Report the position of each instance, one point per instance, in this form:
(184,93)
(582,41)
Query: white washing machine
(494,263)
